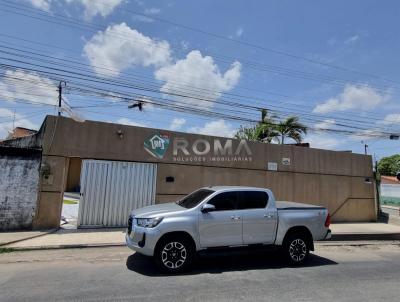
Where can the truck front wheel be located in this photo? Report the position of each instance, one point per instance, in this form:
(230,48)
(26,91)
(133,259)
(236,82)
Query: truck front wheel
(174,254)
(296,249)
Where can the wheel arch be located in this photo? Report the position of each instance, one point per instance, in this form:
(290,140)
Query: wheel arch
(303,230)
(175,234)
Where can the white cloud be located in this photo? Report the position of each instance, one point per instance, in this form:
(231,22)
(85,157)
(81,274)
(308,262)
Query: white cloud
(20,121)
(323,141)
(177,123)
(199,72)
(97,7)
(152,11)
(352,39)
(120,47)
(41,4)
(216,128)
(239,32)
(129,122)
(391,119)
(28,86)
(352,97)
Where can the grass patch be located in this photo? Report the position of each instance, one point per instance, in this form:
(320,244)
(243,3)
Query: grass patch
(67,201)
(390,201)
(4,250)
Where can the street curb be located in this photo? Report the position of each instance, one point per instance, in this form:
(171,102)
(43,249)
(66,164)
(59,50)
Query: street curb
(65,246)
(28,238)
(356,243)
(365,237)
(106,245)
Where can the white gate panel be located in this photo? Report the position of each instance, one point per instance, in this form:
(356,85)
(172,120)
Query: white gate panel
(93,192)
(127,186)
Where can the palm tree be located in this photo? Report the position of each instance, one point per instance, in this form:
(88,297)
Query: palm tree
(291,128)
(266,131)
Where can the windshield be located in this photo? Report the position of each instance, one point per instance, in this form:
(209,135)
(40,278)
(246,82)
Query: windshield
(193,199)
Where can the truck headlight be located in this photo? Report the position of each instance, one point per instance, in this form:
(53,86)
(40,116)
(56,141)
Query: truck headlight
(148,222)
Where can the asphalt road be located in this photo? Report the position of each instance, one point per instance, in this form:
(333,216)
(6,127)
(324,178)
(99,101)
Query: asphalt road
(369,273)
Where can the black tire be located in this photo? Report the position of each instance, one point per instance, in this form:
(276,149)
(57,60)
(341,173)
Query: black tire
(296,248)
(174,254)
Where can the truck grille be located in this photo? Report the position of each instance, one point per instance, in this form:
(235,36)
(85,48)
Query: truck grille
(130,220)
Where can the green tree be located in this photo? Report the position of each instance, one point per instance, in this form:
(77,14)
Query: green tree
(264,131)
(247,133)
(389,165)
(291,128)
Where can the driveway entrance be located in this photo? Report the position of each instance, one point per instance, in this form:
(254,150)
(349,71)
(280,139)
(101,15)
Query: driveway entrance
(111,189)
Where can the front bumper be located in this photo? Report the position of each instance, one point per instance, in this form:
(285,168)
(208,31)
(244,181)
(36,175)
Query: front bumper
(142,240)
(328,235)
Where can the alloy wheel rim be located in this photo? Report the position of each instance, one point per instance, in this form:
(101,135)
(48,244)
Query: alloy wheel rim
(173,255)
(297,250)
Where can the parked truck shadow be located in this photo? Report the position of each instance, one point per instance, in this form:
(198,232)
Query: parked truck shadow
(217,262)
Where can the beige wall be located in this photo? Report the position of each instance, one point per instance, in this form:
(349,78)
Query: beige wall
(330,191)
(52,186)
(99,140)
(74,174)
(330,178)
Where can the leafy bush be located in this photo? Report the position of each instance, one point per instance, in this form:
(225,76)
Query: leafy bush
(389,165)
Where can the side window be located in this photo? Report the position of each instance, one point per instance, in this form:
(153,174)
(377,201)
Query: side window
(224,201)
(253,200)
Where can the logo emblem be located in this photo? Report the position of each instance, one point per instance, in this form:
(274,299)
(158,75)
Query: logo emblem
(157,145)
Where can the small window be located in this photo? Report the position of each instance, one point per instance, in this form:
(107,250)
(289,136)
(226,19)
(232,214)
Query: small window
(253,200)
(224,201)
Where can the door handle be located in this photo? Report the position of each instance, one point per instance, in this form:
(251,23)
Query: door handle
(235,217)
(268,215)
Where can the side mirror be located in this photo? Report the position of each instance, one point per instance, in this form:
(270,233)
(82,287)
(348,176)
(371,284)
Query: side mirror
(207,208)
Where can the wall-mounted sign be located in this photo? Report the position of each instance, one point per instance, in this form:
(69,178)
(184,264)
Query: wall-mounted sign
(212,149)
(157,144)
(272,166)
(286,161)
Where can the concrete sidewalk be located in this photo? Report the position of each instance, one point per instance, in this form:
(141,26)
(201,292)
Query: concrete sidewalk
(80,238)
(364,231)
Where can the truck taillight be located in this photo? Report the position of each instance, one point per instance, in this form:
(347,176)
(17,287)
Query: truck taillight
(328,220)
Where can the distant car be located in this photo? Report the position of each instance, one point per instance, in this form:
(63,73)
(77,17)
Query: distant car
(225,217)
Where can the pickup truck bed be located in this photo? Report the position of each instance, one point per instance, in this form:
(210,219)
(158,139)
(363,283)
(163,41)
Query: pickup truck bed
(290,205)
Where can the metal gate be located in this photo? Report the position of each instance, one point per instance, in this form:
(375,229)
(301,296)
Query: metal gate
(111,189)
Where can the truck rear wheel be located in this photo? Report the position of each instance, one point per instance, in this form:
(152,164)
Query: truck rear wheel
(296,249)
(174,254)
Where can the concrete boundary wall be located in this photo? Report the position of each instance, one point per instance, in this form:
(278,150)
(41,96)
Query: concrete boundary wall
(19,187)
(342,181)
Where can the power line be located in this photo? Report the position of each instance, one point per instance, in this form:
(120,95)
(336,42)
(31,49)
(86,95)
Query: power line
(193,95)
(225,93)
(266,68)
(190,110)
(246,43)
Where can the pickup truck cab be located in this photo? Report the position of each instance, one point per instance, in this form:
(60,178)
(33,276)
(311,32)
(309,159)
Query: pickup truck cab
(214,217)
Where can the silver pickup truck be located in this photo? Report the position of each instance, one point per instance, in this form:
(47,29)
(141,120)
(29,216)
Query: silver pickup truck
(225,217)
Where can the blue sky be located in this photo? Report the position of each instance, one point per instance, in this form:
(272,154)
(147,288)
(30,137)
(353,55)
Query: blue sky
(332,63)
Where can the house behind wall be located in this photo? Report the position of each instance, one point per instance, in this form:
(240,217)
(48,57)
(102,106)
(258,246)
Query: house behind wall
(341,181)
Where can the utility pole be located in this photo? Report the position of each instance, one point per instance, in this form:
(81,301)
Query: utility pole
(59,98)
